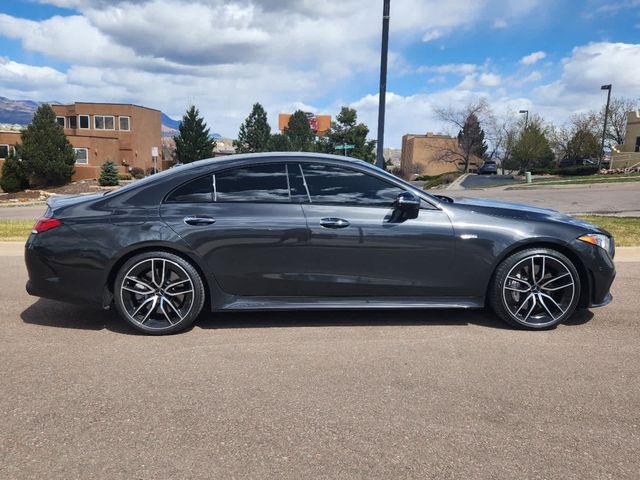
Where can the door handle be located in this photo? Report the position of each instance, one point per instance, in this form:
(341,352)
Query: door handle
(334,223)
(195,220)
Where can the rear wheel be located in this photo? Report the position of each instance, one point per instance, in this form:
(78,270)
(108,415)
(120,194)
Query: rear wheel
(158,293)
(535,289)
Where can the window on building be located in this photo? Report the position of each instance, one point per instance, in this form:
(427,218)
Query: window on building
(104,122)
(261,183)
(125,124)
(343,186)
(199,190)
(637,144)
(4,151)
(72,121)
(60,121)
(84,121)
(82,155)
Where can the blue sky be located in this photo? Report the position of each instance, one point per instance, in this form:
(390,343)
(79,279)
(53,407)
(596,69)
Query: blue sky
(546,56)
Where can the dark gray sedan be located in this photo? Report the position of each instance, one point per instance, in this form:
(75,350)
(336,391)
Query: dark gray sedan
(305,231)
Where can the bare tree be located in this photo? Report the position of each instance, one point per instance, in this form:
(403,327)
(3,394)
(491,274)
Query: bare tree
(578,138)
(503,133)
(466,145)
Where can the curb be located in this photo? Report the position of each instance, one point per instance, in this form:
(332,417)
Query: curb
(457,183)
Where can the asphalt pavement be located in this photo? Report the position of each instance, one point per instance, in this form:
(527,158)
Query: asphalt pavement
(351,395)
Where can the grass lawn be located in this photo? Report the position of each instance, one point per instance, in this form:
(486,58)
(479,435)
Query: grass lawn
(579,180)
(626,230)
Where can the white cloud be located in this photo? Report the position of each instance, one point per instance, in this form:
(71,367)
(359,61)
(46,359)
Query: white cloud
(432,35)
(15,75)
(532,58)
(500,23)
(457,68)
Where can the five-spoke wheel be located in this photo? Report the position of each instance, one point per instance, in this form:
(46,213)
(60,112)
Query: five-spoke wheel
(158,292)
(536,288)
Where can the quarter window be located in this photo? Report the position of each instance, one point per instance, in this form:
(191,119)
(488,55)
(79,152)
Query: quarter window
(4,151)
(259,183)
(82,155)
(124,124)
(344,186)
(199,190)
(60,121)
(84,121)
(104,122)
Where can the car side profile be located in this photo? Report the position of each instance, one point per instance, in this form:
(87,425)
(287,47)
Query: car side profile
(309,231)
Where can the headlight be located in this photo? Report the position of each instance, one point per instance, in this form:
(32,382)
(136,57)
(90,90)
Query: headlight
(597,239)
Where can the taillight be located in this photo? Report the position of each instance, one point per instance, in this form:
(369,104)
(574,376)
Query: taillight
(44,224)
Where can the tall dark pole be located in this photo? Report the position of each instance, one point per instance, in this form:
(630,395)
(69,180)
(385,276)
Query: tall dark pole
(383,82)
(604,128)
(526,117)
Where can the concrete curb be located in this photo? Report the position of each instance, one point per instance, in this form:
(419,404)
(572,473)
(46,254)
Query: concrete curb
(457,183)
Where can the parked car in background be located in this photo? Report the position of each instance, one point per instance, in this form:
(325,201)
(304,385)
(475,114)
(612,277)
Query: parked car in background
(307,231)
(489,167)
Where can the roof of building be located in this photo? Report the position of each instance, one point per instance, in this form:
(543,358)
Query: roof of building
(103,103)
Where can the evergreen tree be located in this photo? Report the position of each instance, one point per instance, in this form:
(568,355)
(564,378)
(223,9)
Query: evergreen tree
(108,174)
(255,132)
(299,132)
(346,131)
(194,141)
(471,137)
(13,178)
(532,148)
(47,156)
(278,143)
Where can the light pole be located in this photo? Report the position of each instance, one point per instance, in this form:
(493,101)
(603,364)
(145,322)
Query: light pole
(526,117)
(383,83)
(604,128)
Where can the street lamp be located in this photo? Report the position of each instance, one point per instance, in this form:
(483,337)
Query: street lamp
(383,83)
(606,116)
(526,118)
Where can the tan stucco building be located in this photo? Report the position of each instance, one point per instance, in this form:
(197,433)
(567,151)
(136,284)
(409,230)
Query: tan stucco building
(431,155)
(99,132)
(628,154)
(319,123)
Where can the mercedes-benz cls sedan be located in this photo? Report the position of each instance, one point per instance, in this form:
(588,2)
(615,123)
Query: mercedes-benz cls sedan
(304,231)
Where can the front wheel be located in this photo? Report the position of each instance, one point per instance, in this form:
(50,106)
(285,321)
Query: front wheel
(158,293)
(535,289)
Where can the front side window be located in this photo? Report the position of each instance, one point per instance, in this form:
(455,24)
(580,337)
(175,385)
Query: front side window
(60,121)
(4,151)
(124,123)
(199,190)
(82,155)
(259,183)
(331,184)
(84,121)
(103,122)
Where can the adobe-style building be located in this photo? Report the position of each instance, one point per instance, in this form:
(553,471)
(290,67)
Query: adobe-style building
(627,155)
(319,123)
(430,154)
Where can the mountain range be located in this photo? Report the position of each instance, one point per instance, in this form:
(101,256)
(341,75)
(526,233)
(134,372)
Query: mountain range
(20,112)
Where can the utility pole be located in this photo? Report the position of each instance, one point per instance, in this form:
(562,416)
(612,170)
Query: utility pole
(604,128)
(383,82)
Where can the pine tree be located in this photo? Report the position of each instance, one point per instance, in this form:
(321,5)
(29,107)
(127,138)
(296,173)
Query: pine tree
(278,143)
(346,131)
(13,178)
(194,141)
(108,174)
(299,132)
(471,137)
(254,133)
(47,156)
(532,149)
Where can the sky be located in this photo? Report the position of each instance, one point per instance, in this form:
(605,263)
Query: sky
(546,56)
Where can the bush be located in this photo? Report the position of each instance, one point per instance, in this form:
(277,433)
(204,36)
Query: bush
(124,176)
(13,178)
(577,170)
(150,171)
(108,174)
(137,173)
(543,171)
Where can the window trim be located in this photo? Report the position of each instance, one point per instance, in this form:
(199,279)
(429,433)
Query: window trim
(128,123)
(64,120)
(80,127)
(68,122)
(75,150)
(8,150)
(95,117)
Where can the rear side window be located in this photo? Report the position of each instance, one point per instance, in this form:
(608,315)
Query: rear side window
(259,183)
(199,190)
(339,185)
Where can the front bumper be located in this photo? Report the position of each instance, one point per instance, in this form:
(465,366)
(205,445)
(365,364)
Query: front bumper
(598,276)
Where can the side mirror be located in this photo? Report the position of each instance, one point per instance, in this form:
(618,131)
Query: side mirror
(407,201)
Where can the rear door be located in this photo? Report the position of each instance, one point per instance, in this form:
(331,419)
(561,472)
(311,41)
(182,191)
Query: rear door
(246,225)
(358,246)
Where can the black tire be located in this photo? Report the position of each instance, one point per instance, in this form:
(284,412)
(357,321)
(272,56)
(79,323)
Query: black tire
(158,293)
(540,302)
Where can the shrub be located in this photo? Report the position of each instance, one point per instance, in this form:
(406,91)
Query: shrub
(124,176)
(13,178)
(108,174)
(543,171)
(576,170)
(150,171)
(137,173)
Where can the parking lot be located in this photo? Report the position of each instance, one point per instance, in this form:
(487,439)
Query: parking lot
(420,394)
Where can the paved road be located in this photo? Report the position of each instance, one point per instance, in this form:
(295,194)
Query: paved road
(353,395)
(603,198)
(22,213)
(487,181)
